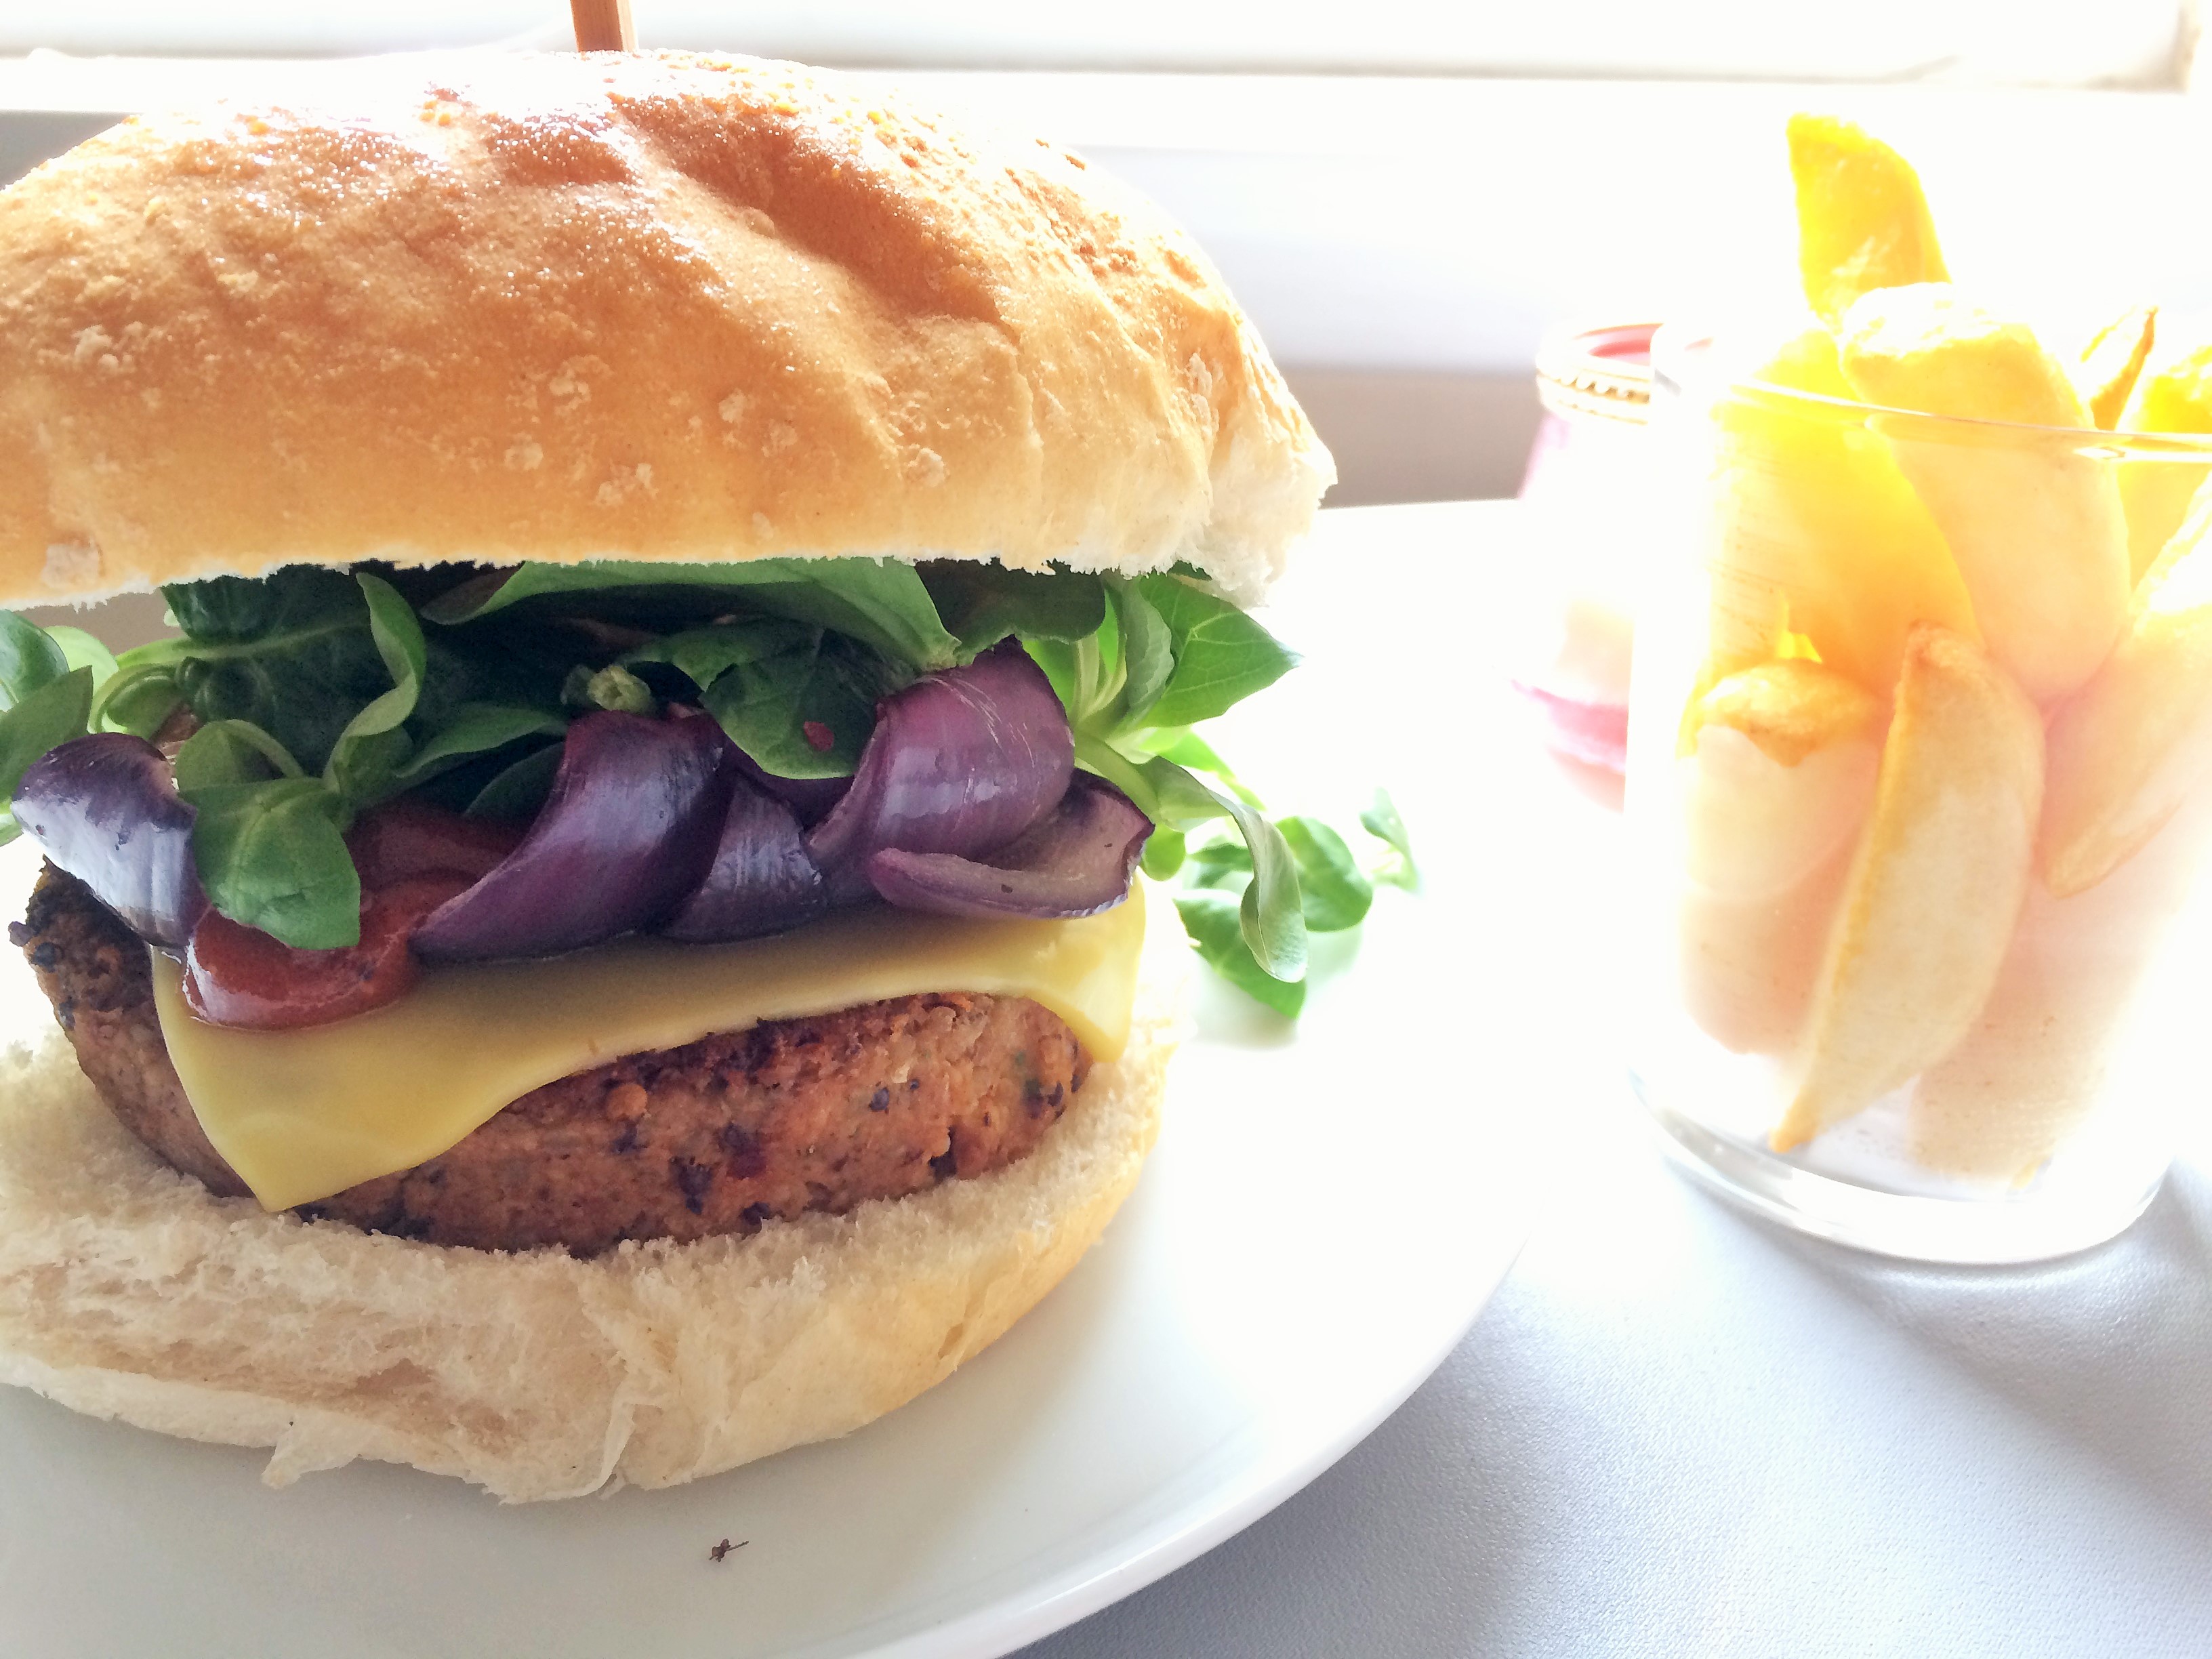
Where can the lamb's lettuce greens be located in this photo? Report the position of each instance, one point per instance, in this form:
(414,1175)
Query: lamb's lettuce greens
(1336,888)
(316,693)
(47,680)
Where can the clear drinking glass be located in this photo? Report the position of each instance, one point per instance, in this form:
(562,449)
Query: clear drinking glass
(1923,961)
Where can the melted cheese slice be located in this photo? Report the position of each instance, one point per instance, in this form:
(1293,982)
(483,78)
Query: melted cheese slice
(302,1114)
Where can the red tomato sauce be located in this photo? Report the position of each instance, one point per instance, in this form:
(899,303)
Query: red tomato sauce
(411,858)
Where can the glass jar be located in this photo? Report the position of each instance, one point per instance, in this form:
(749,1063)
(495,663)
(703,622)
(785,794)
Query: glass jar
(1585,504)
(1923,953)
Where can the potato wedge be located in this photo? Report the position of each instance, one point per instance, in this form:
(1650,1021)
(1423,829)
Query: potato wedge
(1863,220)
(1808,505)
(2071,994)
(1790,709)
(2134,743)
(2105,374)
(1748,968)
(1935,888)
(2036,528)
(2174,394)
(1774,790)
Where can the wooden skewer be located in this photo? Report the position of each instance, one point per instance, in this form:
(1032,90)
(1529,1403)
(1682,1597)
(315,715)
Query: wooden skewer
(603,25)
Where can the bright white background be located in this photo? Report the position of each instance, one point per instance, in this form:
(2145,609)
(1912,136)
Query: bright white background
(2033,42)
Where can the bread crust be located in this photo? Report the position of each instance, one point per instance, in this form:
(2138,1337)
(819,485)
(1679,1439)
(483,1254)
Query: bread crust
(644,307)
(129,1290)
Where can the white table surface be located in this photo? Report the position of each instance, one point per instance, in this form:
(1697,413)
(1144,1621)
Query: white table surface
(1679,1431)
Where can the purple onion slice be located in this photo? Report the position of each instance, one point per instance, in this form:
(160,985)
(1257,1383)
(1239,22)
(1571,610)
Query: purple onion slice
(809,798)
(105,808)
(961,762)
(762,880)
(1076,862)
(630,827)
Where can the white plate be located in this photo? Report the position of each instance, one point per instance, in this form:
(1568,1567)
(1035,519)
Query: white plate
(1329,1208)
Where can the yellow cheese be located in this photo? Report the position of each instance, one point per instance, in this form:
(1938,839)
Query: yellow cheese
(300,1114)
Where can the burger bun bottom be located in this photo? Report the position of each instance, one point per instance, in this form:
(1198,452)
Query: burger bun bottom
(128,1292)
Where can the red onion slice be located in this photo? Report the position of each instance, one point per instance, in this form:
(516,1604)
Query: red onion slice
(1076,862)
(762,880)
(630,829)
(809,798)
(962,761)
(105,808)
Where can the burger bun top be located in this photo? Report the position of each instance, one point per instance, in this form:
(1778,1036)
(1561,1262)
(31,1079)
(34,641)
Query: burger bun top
(637,307)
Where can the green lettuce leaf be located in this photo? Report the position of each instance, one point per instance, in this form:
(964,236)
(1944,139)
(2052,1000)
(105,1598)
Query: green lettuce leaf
(371,747)
(1215,925)
(1334,891)
(231,751)
(271,855)
(984,604)
(1382,821)
(81,650)
(516,793)
(472,730)
(882,604)
(49,716)
(805,714)
(703,655)
(30,658)
(1221,655)
(269,840)
(1148,653)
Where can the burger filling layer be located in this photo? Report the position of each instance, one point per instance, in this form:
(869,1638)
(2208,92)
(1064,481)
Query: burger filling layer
(681,1139)
(400,849)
